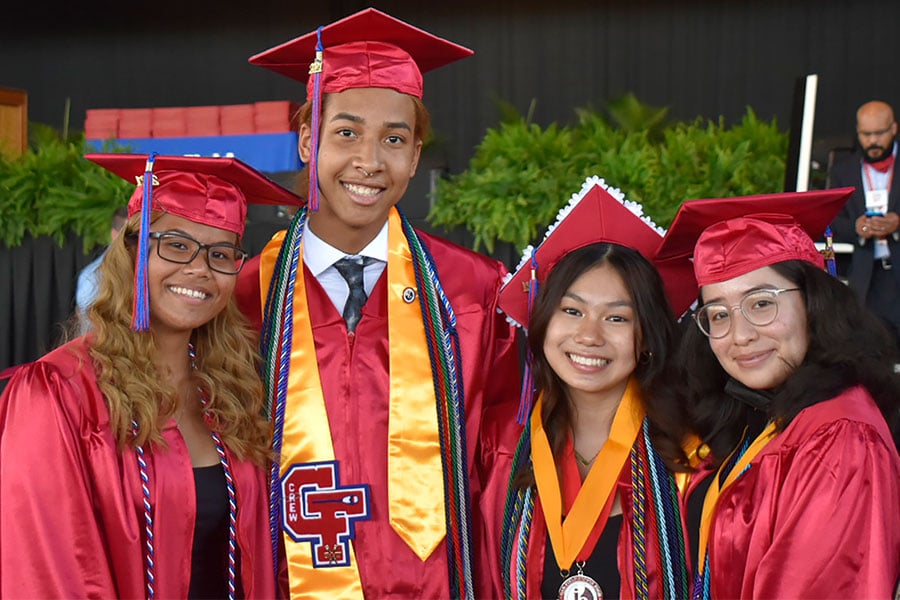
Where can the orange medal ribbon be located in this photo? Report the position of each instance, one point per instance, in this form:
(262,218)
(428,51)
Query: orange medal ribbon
(715,491)
(569,536)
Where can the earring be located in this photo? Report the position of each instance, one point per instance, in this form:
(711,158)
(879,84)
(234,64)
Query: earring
(645,357)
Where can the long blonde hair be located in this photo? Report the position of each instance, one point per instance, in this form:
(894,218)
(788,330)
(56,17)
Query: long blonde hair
(226,364)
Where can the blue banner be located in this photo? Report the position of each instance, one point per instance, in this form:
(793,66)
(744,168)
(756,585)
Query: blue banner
(266,152)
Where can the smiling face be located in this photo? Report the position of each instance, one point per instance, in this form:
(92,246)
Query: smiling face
(186,296)
(590,339)
(760,357)
(368,152)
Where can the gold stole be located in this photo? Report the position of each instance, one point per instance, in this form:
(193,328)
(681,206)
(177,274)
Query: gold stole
(715,491)
(415,477)
(569,536)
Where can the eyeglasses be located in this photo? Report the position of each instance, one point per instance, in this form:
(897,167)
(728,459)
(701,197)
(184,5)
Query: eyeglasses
(759,307)
(183,249)
(879,133)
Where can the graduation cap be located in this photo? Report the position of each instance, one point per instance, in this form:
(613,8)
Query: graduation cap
(594,215)
(366,49)
(210,191)
(729,237)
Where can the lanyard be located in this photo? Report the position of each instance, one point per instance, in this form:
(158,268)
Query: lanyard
(869,185)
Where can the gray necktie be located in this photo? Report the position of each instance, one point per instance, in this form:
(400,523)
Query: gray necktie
(351,269)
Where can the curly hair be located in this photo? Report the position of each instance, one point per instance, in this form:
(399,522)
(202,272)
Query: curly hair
(226,365)
(303,116)
(848,346)
(655,339)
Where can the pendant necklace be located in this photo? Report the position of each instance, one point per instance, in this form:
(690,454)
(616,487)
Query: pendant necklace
(579,586)
(149,561)
(584,461)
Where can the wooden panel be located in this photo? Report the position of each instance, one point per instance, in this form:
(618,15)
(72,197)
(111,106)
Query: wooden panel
(13,121)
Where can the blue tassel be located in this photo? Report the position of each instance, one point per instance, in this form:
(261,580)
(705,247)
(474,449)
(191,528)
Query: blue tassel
(315,69)
(140,320)
(526,397)
(830,262)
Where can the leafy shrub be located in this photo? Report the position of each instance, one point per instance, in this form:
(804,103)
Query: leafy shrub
(522,174)
(52,190)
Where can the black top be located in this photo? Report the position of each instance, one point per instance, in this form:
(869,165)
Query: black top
(209,556)
(601,566)
(695,514)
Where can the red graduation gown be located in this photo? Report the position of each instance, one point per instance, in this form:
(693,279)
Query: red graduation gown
(817,514)
(71,513)
(354,373)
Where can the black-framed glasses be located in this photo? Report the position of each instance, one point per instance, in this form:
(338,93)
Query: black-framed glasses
(759,307)
(182,249)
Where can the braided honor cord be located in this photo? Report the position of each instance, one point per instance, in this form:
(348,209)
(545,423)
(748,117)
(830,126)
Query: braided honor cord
(444,353)
(149,551)
(277,335)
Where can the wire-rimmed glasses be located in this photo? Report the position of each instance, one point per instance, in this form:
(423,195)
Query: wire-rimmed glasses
(759,307)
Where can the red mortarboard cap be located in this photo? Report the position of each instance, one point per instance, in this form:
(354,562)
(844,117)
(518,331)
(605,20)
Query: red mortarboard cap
(211,191)
(729,237)
(366,49)
(594,215)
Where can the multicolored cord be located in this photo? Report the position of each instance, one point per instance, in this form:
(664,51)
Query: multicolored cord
(702,579)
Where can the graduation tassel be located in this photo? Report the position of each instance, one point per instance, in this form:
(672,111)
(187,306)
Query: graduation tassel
(140,311)
(828,253)
(526,398)
(315,69)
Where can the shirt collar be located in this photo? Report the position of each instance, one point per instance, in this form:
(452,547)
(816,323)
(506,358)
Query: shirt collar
(319,255)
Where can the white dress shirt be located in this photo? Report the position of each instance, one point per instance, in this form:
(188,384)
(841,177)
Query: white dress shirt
(320,256)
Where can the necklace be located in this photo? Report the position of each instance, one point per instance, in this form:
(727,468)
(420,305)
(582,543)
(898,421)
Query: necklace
(585,461)
(149,561)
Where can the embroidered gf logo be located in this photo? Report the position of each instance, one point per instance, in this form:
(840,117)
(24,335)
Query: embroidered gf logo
(317,509)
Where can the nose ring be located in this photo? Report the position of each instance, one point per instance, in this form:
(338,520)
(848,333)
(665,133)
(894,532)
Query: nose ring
(366,173)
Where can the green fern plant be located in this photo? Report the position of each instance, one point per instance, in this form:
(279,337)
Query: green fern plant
(52,190)
(523,173)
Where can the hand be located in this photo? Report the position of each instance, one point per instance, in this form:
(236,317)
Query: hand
(868,227)
(864,228)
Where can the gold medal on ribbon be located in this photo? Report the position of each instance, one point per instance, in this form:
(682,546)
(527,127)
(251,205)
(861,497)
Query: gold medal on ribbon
(595,498)
(580,587)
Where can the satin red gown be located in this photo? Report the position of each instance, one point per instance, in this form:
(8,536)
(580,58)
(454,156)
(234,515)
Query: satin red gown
(817,514)
(71,511)
(354,374)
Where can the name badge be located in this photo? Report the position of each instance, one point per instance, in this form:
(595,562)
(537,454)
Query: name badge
(877,201)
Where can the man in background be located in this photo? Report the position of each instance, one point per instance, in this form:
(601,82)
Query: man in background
(870,221)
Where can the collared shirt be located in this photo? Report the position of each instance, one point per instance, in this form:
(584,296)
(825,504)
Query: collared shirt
(320,256)
(873,179)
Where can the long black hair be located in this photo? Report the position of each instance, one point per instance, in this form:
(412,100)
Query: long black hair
(655,341)
(848,346)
